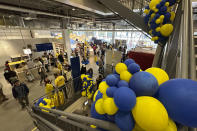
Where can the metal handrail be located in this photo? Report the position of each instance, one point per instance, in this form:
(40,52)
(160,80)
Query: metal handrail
(88,120)
(49,124)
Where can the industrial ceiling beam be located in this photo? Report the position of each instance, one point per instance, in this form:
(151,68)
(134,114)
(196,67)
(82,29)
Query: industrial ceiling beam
(31,11)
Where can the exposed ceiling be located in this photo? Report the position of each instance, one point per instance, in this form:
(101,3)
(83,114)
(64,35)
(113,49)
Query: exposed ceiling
(54,7)
(51,12)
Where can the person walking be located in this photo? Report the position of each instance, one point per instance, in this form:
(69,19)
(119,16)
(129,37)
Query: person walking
(46,62)
(60,83)
(10,76)
(20,92)
(41,70)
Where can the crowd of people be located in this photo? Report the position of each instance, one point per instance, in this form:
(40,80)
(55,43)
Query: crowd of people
(44,65)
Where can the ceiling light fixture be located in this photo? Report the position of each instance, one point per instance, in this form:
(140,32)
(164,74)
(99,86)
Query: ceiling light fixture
(73,9)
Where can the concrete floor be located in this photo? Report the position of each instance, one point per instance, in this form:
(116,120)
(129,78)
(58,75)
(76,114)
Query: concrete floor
(12,118)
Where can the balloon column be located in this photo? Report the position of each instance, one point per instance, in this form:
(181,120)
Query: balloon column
(145,100)
(87,86)
(159,18)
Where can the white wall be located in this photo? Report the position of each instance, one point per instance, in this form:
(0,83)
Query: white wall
(14,47)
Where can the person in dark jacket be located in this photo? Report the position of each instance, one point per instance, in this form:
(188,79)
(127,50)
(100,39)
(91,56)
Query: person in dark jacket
(10,75)
(83,69)
(61,58)
(90,72)
(20,92)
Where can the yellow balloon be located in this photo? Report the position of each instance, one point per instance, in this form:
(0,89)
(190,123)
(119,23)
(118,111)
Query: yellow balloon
(146,11)
(167,4)
(150,114)
(83,76)
(83,93)
(158,21)
(150,32)
(126,76)
(154,3)
(158,29)
(105,96)
(92,126)
(172,16)
(90,95)
(171,126)
(95,94)
(103,87)
(152,16)
(159,74)
(99,107)
(120,67)
(166,30)
(109,106)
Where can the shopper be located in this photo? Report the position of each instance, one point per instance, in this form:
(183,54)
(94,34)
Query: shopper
(48,88)
(20,92)
(41,70)
(100,64)
(98,81)
(83,69)
(7,65)
(46,62)
(90,72)
(94,48)
(60,83)
(2,96)
(10,75)
(61,57)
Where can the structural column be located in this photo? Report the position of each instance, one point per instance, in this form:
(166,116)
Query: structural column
(66,41)
(113,34)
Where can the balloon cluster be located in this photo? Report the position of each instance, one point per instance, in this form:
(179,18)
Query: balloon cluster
(145,100)
(44,102)
(87,86)
(159,18)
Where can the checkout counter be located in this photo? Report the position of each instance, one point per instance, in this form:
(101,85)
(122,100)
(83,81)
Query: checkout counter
(21,68)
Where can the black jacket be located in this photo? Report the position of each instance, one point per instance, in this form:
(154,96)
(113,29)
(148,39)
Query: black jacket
(20,91)
(9,75)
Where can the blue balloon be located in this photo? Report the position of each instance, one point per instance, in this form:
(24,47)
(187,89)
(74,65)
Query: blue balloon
(94,114)
(125,121)
(111,80)
(122,83)
(117,76)
(99,96)
(40,101)
(143,84)
(110,91)
(129,61)
(133,68)
(124,98)
(179,96)
(172,2)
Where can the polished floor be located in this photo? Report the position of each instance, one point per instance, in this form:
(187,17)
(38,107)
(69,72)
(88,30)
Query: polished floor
(12,118)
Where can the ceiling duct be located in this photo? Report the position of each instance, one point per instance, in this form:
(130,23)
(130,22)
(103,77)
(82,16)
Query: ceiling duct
(30,11)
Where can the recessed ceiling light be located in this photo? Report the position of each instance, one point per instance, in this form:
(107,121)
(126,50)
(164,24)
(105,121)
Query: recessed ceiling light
(73,9)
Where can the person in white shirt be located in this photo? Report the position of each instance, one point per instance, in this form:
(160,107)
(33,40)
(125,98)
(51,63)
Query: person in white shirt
(46,63)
